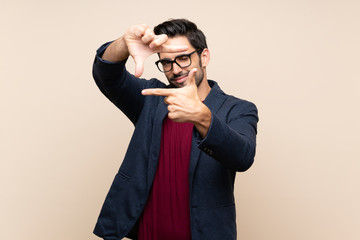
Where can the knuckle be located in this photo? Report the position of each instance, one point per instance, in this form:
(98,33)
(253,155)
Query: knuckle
(171,115)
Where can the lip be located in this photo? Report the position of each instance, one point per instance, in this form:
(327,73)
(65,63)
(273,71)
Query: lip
(180,79)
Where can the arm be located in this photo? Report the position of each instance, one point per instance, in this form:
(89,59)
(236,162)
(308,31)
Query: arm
(117,51)
(118,85)
(231,140)
(139,42)
(109,72)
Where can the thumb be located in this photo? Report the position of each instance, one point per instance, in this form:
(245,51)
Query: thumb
(139,66)
(192,80)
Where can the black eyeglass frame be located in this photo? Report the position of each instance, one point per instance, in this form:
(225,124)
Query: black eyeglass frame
(174,61)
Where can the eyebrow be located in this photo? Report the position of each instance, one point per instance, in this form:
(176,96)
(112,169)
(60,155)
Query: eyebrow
(168,59)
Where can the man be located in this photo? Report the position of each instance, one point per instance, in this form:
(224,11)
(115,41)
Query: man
(177,178)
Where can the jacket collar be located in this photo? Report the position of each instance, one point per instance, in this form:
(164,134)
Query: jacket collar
(215,98)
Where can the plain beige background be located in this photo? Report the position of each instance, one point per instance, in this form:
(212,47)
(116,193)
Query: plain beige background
(62,141)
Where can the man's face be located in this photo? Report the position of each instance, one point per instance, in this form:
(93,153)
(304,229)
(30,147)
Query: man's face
(177,77)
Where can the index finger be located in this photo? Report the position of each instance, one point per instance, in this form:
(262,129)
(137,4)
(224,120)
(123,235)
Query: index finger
(172,49)
(159,45)
(157,92)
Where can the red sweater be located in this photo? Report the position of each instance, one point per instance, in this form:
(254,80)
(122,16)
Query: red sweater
(167,211)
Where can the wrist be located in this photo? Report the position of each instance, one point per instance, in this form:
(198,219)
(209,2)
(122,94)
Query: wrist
(117,51)
(203,120)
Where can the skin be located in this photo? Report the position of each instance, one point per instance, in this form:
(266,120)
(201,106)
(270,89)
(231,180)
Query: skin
(177,74)
(190,88)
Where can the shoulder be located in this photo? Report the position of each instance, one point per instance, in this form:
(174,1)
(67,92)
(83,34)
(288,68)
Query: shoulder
(229,102)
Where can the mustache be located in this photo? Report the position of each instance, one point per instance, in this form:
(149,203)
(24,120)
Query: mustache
(181,74)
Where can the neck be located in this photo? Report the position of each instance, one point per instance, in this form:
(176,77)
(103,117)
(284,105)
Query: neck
(203,89)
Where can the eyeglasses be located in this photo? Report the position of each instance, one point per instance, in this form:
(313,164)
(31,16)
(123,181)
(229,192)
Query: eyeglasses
(183,61)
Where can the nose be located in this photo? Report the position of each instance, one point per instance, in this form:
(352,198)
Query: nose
(176,69)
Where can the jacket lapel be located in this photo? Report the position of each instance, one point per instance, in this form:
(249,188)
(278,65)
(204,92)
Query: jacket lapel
(213,101)
(160,113)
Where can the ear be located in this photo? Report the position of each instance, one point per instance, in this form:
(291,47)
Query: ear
(205,57)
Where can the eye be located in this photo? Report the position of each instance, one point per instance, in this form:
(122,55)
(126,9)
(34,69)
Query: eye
(165,63)
(182,58)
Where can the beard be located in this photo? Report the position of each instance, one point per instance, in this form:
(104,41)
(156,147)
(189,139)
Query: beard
(199,76)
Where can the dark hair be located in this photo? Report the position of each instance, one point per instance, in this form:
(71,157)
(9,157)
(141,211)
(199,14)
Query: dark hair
(183,27)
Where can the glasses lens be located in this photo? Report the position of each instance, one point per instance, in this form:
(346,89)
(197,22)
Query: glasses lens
(183,61)
(164,65)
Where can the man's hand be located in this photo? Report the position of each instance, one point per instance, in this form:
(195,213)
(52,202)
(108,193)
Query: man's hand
(139,42)
(142,42)
(184,104)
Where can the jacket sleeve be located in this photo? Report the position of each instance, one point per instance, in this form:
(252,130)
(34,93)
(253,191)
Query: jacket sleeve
(231,140)
(119,86)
